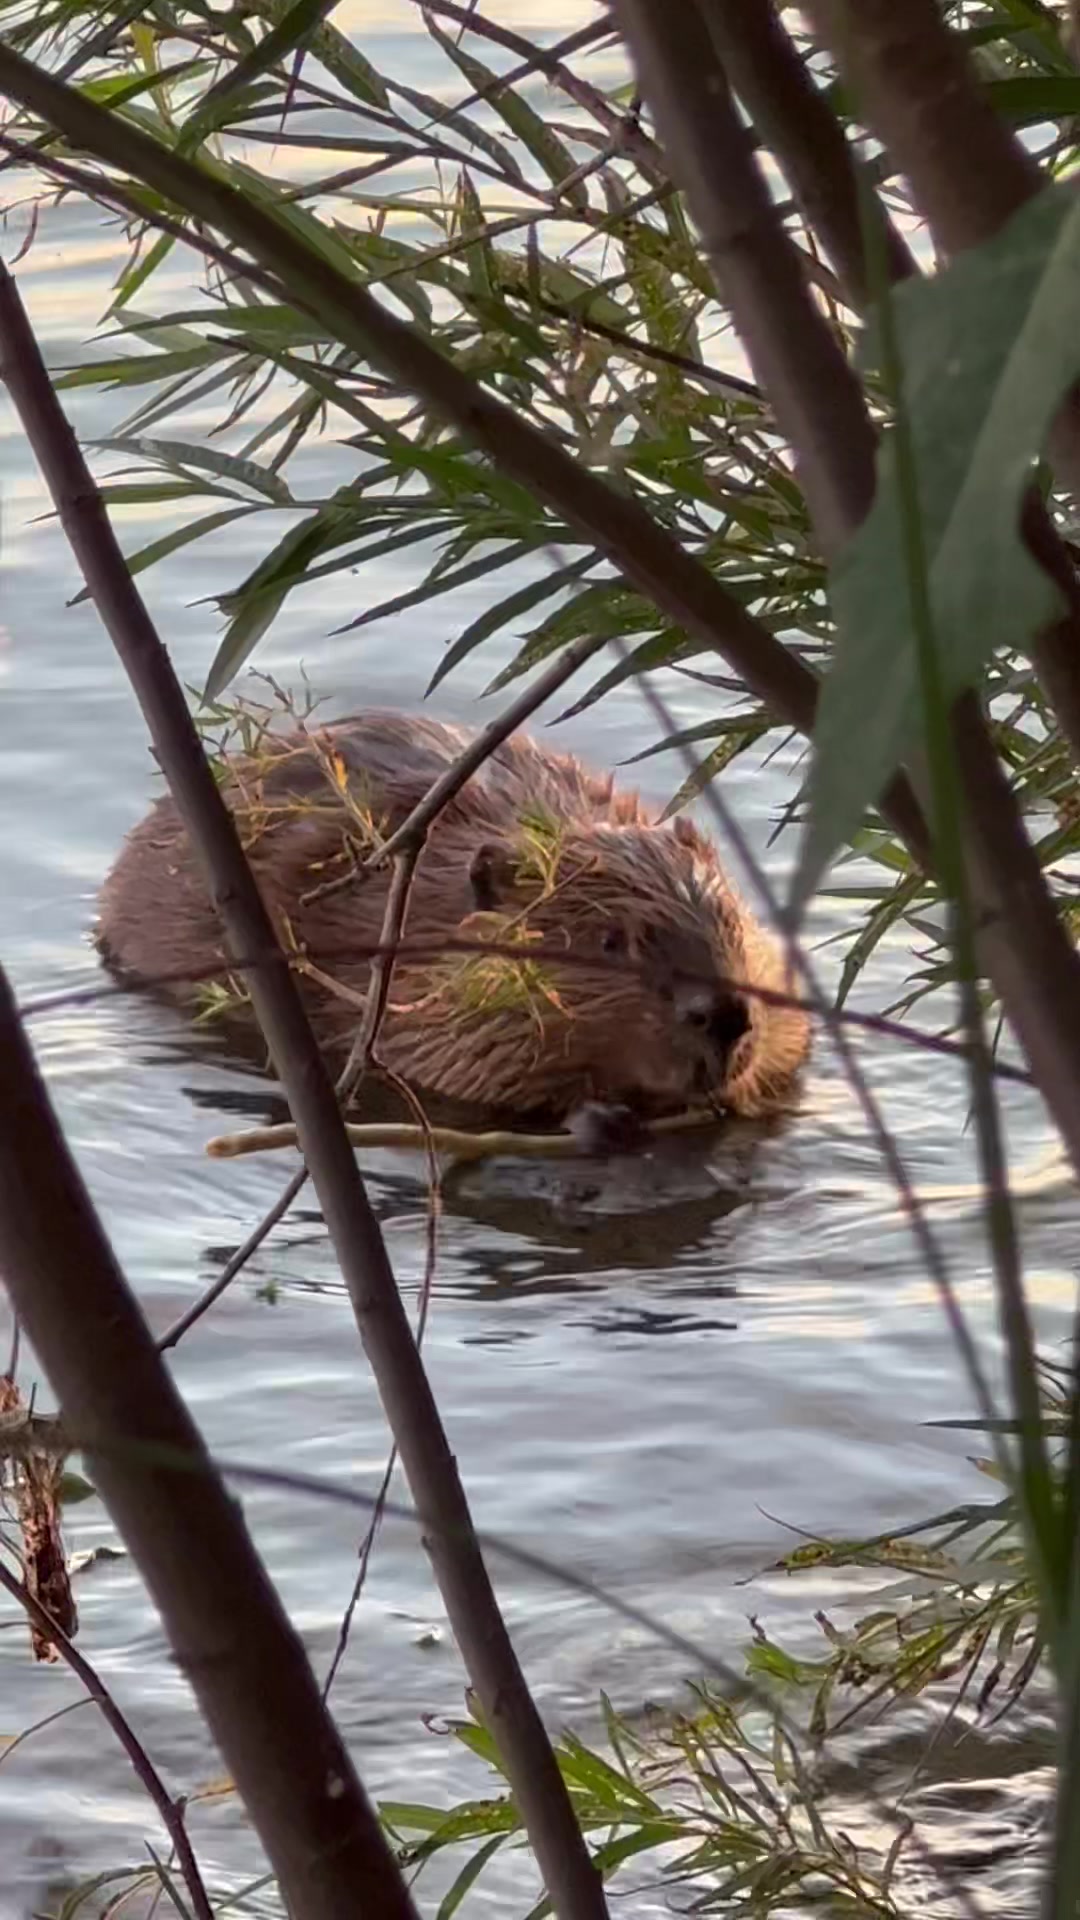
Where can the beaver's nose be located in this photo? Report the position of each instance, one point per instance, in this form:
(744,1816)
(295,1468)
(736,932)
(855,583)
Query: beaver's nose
(721,1018)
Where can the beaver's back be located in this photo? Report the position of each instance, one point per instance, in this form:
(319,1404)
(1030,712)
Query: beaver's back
(155,915)
(536,849)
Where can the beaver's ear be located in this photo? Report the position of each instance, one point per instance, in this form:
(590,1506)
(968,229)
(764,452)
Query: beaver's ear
(493,876)
(687,834)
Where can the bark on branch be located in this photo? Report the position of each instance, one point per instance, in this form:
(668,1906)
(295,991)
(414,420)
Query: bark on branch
(223,1617)
(571,1880)
(795,121)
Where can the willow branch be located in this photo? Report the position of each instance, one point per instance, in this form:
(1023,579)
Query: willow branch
(680,75)
(170,1810)
(795,121)
(684,590)
(571,1880)
(793,354)
(223,1618)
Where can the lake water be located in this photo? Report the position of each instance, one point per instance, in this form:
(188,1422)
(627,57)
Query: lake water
(643,1374)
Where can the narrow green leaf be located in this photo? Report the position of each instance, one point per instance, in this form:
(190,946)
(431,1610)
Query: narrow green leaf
(610,1787)
(296,25)
(410,1816)
(431,588)
(737,723)
(470,1872)
(262,596)
(713,764)
(178,454)
(659,650)
(545,146)
(341,58)
(168,543)
(242,636)
(142,270)
(489,622)
(1029,98)
(136,371)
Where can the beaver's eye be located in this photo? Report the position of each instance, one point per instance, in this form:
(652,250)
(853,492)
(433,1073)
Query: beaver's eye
(613,940)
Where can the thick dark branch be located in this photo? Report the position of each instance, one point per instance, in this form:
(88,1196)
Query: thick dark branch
(795,121)
(1039,980)
(572,1882)
(186,1533)
(815,395)
(913,85)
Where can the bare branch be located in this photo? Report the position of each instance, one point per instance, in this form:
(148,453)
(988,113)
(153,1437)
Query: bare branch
(222,1615)
(814,392)
(913,84)
(795,121)
(572,1882)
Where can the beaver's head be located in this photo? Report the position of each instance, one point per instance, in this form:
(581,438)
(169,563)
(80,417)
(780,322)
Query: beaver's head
(652,1019)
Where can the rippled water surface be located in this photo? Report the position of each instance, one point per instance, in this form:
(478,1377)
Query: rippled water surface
(643,1371)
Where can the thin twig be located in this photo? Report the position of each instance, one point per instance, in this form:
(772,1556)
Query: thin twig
(642,150)
(382,967)
(813,390)
(434,1208)
(709,376)
(548,60)
(880,1025)
(925,1239)
(356,1065)
(235,1263)
(455,1142)
(171,1811)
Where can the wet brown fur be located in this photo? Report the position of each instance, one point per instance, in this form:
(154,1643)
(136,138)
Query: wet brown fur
(553,852)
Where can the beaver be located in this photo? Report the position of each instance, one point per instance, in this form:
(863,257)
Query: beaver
(534,850)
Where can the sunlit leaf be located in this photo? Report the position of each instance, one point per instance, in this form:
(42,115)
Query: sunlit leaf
(180,454)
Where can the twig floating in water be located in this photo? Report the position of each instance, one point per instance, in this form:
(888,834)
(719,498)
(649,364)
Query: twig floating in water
(457,1143)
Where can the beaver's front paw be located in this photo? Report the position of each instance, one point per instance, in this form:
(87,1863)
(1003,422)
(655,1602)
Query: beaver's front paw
(601,1129)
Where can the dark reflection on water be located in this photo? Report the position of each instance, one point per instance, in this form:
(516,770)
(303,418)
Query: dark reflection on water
(638,1364)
